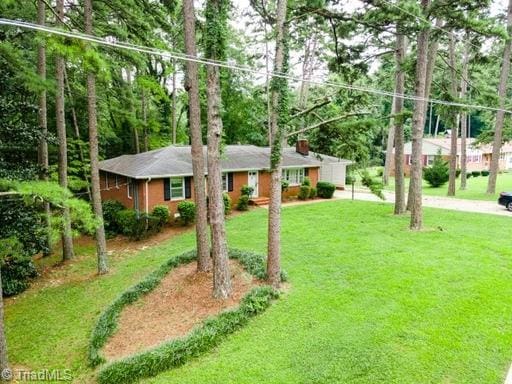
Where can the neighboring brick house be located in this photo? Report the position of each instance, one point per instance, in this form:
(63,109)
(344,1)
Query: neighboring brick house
(164,176)
(477,157)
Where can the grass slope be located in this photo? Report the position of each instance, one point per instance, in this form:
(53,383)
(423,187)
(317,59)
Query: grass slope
(369,302)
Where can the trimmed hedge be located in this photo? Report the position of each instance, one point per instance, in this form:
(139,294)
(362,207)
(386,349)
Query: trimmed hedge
(485,173)
(187,212)
(176,352)
(243,203)
(325,189)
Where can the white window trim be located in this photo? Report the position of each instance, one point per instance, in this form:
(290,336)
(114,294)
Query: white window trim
(225,175)
(182,188)
(300,174)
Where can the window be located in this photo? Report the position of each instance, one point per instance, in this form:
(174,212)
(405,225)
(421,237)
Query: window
(294,176)
(225,182)
(177,188)
(430,159)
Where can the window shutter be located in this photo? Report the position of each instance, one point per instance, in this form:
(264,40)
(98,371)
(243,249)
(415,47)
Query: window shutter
(306,172)
(230,182)
(188,191)
(167,189)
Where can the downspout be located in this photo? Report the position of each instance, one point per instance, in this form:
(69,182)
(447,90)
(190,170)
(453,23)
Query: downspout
(146,195)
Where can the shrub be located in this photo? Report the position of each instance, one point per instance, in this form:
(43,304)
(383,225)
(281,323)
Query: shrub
(457,172)
(306,182)
(437,174)
(375,186)
(110,210)
(485,173)
(243,203)
(312,193)
(162,212)
(246,190)
(17,267)
(350,179)
(380,172)
(304,192)
(126,221)
(475,173)
(285,184)
(325,189)
(187,212)
(227,203)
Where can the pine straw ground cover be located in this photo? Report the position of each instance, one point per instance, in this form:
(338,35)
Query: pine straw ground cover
(370,302)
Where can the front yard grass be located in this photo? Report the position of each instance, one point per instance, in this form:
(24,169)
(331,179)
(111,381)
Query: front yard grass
(369,302)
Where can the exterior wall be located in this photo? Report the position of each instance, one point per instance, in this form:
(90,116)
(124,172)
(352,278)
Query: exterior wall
(152,192)
(471,166)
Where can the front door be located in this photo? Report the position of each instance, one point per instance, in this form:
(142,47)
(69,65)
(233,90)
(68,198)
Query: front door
(253,182)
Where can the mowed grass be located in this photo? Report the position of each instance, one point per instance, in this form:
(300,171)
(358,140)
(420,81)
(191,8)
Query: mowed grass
(476,187)
(369,301)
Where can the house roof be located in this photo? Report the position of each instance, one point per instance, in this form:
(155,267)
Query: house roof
(177,161)
(431,146)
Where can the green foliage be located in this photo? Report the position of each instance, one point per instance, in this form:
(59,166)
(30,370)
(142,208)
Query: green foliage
(306,182)
(476,173)
(126,221)
(285,184)
(177,351)
(162,212)
(246,190)
(187,212)
(375,185)
(17,267)
(468,175)
(227,203)
(137,227)
(111,209)
(437,174)
(457,172)
(312,193)
(485,173)
(325,189)
(380,171)
(243,203)
(304,192)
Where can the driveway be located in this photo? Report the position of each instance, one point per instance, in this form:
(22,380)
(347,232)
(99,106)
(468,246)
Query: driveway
(451,203)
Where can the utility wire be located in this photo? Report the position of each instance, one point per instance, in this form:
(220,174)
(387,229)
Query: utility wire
(233,66)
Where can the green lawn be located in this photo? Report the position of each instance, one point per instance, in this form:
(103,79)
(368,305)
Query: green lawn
(476,187)
(369,302)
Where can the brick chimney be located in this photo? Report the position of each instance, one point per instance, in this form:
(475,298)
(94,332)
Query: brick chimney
(302,147)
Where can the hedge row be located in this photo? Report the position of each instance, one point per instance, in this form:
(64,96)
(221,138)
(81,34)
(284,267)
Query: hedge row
(178,351)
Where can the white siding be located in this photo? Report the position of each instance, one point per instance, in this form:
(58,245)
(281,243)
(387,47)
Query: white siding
(334,173)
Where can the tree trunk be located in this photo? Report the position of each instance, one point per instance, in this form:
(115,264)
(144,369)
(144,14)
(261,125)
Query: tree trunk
(277,139)
(4,361)
(390,140)
(135,132)
(464,116)
(174,104)
(67,241)
(144,119)
(500,115)
(221,275)
(437,126)
(101,243)
(418,123)
(454,120)
(399,124)
(204,262)
(43,123)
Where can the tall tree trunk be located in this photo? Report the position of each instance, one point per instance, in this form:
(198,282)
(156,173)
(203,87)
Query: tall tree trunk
(204,262)
(278,95)
(437,126)
(215,22)
(267,78)
(399,124)
(77,133)
(4,361)
(144,119)
(500,115)
(464,116)
(101,243)
(174,103)
(431,63)
(135,131)
(418,123)
(67,240)
(454,120)
(390,142)
(43,123)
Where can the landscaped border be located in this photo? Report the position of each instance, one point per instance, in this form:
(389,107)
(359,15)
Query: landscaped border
(176,352)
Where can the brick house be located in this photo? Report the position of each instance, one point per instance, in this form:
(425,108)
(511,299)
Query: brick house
(164,176)
(477,156)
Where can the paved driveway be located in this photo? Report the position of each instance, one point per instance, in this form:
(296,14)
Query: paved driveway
(454,204)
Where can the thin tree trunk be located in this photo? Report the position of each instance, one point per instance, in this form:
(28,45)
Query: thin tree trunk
(221,275)
(437,126)
(144,119)
(390,139)
(174,104)
(67,240)
(418,123)
(454,120)
(277,141)
(204,262)
(464,116)
(136,141)
(101,243)
(500,115)
(77,134)
(399,124)
(4,361)
(43,124)
(267,78)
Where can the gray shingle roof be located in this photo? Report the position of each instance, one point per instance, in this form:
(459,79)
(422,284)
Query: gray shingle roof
(177,161)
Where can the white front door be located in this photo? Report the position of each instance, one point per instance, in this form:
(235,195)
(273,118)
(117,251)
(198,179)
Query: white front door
(253,182)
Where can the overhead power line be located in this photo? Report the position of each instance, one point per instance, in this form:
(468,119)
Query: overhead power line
(233,66)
